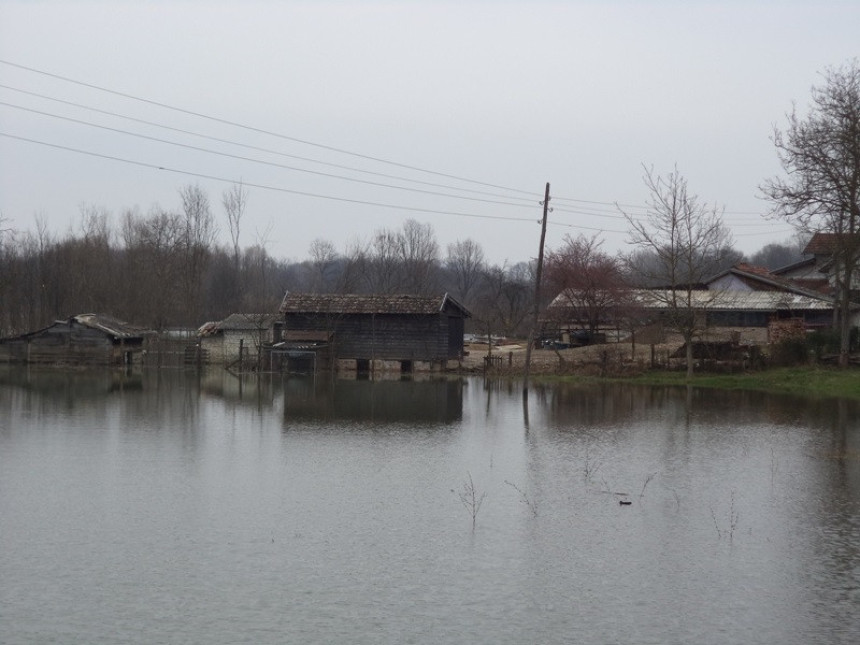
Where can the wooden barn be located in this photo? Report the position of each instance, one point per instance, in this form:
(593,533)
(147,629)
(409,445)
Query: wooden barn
(367,333)
(87,339)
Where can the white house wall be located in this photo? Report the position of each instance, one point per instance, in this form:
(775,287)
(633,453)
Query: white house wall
(249,341)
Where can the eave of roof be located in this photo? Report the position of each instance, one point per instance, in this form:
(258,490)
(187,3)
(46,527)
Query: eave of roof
(341,304)
(766,277)
(739,300)
(110,325)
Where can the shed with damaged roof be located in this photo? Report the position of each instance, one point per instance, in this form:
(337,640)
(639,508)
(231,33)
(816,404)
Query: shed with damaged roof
(85,339)
(239,337)
(378,332)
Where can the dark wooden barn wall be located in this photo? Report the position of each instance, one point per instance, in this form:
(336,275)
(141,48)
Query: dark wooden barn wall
(387,336)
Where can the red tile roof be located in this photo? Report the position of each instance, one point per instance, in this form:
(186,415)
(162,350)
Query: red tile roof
(823,244)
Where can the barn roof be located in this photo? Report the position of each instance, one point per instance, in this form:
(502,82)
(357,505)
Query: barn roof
(728,300)
(316,303)
(738,300)
(238,322)
(109,325)
(752,275)
(827,243)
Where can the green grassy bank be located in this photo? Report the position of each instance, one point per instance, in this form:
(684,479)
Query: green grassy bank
(808,381)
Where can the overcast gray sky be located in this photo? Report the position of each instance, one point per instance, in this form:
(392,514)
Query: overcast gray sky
(510,95)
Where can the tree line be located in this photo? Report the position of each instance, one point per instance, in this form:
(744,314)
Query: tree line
(164,268)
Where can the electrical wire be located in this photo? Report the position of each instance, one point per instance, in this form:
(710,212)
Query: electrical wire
(316,195)
(531,194)
(199,175)
(262,131)
(258,148)
(259,161)
(590,212)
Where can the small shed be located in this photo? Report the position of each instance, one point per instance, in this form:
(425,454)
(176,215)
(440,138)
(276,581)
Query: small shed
(366,333)
(238,336)
(86,339)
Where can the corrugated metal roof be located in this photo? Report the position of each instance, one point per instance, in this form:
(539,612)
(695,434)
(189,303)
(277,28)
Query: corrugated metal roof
(316,303)
(736,300)
(726,300)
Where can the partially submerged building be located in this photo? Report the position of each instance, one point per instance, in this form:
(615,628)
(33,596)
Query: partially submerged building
(86,339)
(365,333)
(238,337)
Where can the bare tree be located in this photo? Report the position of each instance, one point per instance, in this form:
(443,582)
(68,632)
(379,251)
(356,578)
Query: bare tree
(820,154)
(92,256)
(776,255)
(322,265)
(380,262)
(419,254)
(153,264)
(258,275)
(43,241)
(398,261)
(198,239)
(234,200)
(505,299)
(353,269)
(465,264)
(689,240)
(7,253)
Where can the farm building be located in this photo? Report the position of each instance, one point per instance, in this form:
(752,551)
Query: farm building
(746,309)
(754,302)
(826,248)
(86,339)
(366,333)
(237,335)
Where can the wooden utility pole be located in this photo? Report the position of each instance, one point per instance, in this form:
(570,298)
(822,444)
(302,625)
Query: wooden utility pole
(536,311)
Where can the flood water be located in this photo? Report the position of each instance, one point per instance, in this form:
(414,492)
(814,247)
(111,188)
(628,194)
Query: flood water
(176,507)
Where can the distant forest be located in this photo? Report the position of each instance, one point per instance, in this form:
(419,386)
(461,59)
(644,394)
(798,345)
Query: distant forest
(164,270)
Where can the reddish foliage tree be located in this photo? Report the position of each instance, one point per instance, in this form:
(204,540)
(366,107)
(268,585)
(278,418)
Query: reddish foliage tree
(590,283)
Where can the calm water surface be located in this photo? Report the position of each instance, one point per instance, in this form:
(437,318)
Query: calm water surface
(174,507)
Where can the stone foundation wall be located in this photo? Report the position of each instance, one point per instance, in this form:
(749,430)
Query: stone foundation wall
(388,366)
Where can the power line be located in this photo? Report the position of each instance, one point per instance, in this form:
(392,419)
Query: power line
(259,161)
(198,175)
(257,148)
(189,173)
(531,195)
(335,149)
(262,131)
(607,215)
(644,207)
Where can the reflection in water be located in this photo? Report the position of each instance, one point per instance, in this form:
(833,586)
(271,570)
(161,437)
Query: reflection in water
(70,384)
(379,401)
(174,506)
